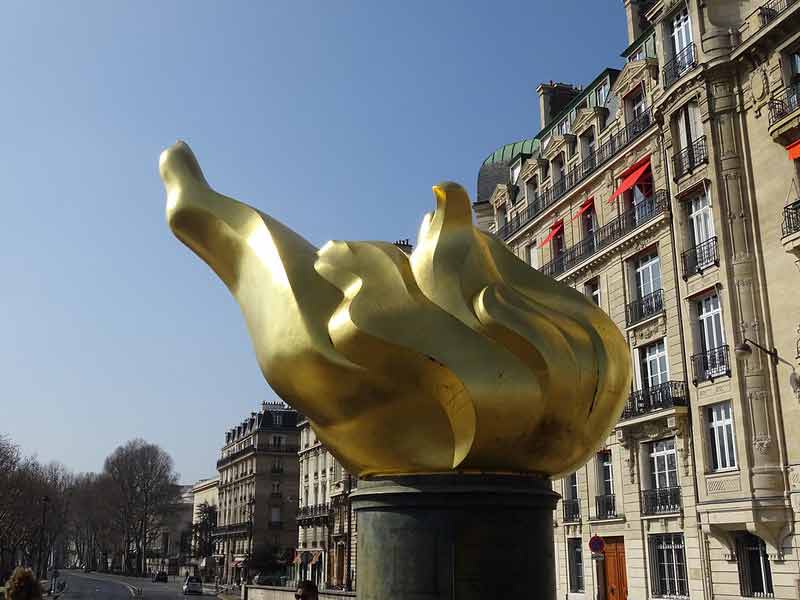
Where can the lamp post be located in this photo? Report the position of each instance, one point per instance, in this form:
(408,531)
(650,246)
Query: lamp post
(744,351)
(348,583)
(251,506)
(45,501)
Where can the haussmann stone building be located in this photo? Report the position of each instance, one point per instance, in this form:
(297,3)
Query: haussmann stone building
(666,191)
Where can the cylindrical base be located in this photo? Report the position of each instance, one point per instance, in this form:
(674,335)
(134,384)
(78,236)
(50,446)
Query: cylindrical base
(455,537)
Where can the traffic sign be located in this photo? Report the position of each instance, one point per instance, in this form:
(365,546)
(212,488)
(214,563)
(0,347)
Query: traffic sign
(596,544)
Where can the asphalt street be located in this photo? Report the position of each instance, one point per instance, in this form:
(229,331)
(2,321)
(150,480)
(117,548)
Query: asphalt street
(99,586)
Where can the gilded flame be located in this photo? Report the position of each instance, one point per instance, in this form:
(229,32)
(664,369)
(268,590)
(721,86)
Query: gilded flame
(459,357)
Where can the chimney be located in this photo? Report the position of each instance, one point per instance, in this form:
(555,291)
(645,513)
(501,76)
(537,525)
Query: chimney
(634,15)
(553,97)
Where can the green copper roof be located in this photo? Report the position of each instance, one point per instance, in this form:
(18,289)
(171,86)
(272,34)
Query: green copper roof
(509,151)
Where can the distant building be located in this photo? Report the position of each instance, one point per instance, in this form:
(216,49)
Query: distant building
(258,475)
(204,492)
(170,546)
(325,547)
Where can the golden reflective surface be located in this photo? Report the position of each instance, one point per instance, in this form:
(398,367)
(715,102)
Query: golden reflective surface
(459,357)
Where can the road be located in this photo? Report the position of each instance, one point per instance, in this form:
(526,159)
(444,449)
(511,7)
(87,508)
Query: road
(99,586)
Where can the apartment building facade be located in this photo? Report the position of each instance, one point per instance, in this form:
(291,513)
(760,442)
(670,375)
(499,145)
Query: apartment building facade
(258,491)
(666,191)
(326,549)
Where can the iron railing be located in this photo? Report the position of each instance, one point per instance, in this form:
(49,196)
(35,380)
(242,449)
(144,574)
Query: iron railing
(608,233)
(772,10)
(791,219)
(661,500)
(687,159)
(572,510)
(684,61)
(644,307)
(664,395)
(605,506)
(785,102)
(315,510)
(702,256)
(711,364)
(545,198)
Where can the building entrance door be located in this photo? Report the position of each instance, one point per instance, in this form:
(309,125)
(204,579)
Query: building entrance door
(614,565)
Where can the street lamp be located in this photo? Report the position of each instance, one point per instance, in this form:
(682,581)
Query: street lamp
(251,505)
(45,501)
(744,351)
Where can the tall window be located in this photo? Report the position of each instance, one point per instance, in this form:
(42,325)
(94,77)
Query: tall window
(601,93)
(501,215)
(648,274)
(709,317)
(688,124)
(701,221)
(720,436)
(606,472)
(531,187)
(755,574)
(572,486)
(680,31)
(592,289)
(589,222)
(515,169)
(636,104)
(668,559)
(532,254)
(575,559)
(663,464)
(277,418)
(275,514)
(588,143)
(653,364)
(557,244)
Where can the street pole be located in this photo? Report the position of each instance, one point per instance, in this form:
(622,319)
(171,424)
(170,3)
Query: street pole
(45,500)
(252,505)
(348,583)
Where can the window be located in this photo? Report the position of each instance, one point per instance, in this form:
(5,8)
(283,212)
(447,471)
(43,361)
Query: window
(575,559)
(636,104)
(592,290)
(588,145)
(755,574)
(563,127)
(532,254)
(680,31)
(558,168)
(515,169)
(276,487)
(606,472)
(275,514)
(653,365)
(277,418)
(277,441)
(572,486)
(557,244)
(501,215)
(531,187)
(688,125)
(721,437)
(668,558)
(709,316)
(663,464)
(601,93)
(648,274)
(701,221)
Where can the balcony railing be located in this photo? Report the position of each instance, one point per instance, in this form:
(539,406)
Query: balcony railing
(701,257)
(605,506)
(644,307)
(784,103)
(791,219)
(609,233)
(711,364)
(572,510)
(690,157)
(315,510)
(684,61)
(663,395)
(661,500)
(545,198)
(773,9)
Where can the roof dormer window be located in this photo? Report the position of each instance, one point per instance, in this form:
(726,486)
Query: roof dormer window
(516,167)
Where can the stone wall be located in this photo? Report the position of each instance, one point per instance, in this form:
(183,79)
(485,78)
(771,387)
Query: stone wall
(261,592)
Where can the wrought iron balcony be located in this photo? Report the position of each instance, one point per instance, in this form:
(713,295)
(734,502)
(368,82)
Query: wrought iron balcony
(644,307)
(315,510)
(572,510)
(791,219)
(701,257)
(661,501)
(605,506)
(773,9)
(647,400)
(684,61)
(783,104)
(609,233)
(708,365)
(545,197)
(690,157)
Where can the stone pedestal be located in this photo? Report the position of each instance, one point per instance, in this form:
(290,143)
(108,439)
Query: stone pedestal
(455,537)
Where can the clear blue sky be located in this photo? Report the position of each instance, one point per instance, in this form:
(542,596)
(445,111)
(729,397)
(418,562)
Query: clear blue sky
(334,117)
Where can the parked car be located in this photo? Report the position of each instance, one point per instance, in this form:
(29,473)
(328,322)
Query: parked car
(160,576)
(192,585)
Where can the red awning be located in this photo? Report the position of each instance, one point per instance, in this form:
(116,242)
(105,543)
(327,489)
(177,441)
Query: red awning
(554,229)
(794,150)
(587,204)
(632,177)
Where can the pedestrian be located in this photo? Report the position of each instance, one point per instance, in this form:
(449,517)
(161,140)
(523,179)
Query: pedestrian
(23,585)
(306,590)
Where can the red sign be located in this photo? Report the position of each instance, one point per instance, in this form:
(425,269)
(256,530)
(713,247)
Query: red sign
(596,544)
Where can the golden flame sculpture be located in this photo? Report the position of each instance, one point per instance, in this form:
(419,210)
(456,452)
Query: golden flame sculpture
(460,357)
